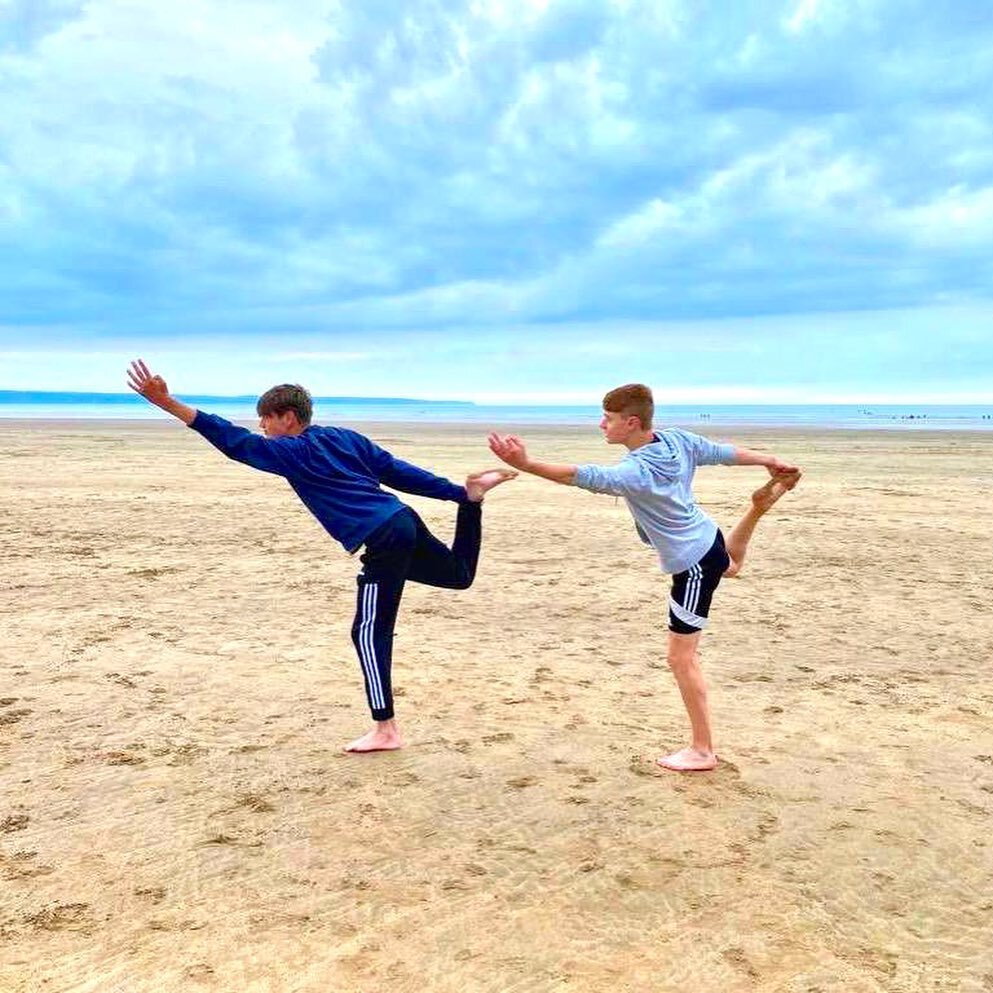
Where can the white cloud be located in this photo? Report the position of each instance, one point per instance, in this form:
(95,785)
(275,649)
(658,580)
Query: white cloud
(646,223)
(956,218)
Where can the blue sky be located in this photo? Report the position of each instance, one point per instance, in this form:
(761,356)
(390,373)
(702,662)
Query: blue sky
(500,200)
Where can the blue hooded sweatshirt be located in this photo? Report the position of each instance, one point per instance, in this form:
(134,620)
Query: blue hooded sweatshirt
(656,482)
(335,472)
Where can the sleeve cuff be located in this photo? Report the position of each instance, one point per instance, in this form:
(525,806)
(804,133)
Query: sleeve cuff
(582,477)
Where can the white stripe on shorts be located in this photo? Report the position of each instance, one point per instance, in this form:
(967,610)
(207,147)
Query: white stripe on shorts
(687,616)
(693,588)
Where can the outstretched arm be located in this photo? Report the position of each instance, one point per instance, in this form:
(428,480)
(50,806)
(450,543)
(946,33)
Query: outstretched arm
(510,449)
(408,478)
(154,390)
(235,442)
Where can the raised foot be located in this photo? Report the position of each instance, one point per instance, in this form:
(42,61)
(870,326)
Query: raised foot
(689,760)
(376,740)
(765,496)
(478,484)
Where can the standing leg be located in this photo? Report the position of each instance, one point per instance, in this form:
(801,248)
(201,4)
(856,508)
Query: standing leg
(380,587)
(689,607)
(685,665)
(762,499)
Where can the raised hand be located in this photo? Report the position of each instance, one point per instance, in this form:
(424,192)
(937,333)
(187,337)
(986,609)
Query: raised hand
(153,388)
(510,449)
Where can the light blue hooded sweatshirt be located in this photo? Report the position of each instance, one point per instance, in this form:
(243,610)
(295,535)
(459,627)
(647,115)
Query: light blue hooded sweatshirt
(656,481)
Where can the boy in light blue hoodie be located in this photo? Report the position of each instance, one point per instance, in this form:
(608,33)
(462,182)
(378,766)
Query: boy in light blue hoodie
(655,478)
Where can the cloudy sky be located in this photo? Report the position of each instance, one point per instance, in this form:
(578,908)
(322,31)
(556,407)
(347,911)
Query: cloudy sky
(500,199)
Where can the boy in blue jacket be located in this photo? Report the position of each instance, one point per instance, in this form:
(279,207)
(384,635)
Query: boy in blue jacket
(337,474)
(655,478)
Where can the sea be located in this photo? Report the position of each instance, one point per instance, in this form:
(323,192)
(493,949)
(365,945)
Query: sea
(343,410)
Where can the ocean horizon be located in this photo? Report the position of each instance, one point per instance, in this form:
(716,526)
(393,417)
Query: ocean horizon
(52,405)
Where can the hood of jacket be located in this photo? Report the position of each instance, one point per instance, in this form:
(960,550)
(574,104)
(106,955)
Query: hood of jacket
(661,455)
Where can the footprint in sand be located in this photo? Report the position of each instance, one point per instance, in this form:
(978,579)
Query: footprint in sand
(61,917)
(199,972)
(522,782)
(122,758)
(736,958)
(257,804)
(156,894)
(499,737)
(13,716)
(20,866)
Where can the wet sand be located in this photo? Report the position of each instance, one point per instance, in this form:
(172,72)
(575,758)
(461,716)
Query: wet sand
(176,680)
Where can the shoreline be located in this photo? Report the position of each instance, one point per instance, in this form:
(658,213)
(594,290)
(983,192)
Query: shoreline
(95,424)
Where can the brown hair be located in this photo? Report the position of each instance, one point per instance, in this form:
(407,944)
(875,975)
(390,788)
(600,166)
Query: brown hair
(632,400)
(286,397)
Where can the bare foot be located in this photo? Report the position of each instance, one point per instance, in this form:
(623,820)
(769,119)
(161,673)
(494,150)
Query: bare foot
(765,496)
(689,760)
(384,737)
(478,484)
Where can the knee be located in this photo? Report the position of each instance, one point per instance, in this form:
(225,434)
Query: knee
(682,653)
(680,663)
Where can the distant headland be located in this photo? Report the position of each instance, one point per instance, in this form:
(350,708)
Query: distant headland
(58,397)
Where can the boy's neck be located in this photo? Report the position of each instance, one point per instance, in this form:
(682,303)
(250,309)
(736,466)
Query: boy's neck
(639,440)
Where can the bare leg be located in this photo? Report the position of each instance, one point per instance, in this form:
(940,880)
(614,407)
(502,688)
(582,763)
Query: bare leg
(384,737)
(762,500)
(685,665)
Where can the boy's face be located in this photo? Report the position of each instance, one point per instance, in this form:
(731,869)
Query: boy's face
(618,427)
(279,425)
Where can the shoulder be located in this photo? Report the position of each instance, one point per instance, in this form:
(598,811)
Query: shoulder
(683,437)
(346,436)
(335,435)
(634,465)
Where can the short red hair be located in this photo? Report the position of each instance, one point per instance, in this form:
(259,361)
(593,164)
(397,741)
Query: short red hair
(632,400)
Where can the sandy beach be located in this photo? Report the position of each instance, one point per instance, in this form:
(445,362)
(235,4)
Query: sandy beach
(177,680)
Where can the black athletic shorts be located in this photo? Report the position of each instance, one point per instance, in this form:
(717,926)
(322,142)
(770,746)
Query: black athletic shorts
(693,589)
